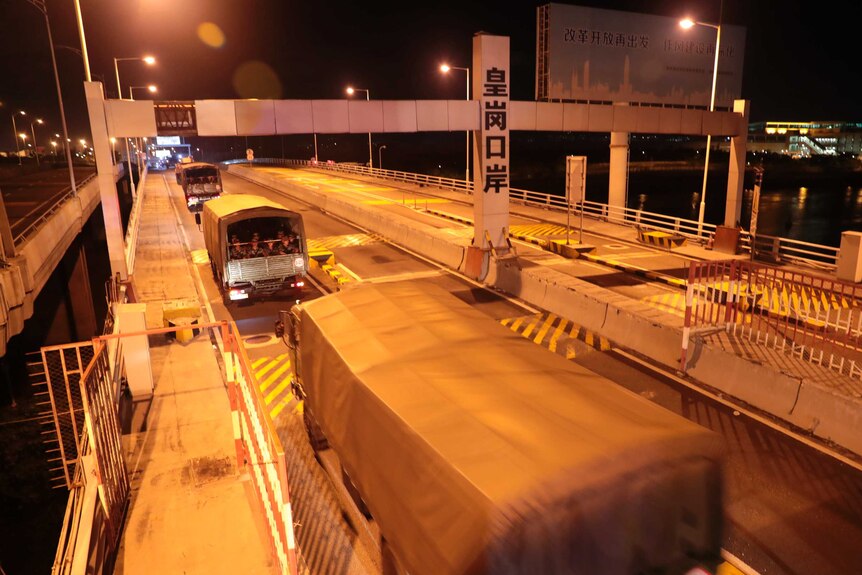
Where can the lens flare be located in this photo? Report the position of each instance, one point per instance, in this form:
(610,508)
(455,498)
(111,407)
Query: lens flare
(211,35)
(255,79)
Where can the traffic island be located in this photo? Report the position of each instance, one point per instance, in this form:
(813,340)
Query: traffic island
(660,239)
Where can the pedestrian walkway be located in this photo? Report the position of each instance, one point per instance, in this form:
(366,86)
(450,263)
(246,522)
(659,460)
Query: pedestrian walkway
(190,511)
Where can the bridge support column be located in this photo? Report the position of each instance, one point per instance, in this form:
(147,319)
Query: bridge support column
(736,169)
(105,174)
(618,181)
(79,295)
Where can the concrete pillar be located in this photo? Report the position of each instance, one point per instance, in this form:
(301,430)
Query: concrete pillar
(618,180)
(105,173)
(491,81)
(131,318)
(736,169)
(79,295)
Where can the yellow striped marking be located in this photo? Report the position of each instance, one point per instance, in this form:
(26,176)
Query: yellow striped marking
(200,257)
(273,377)
(538,230)
(669,302)
(345,241)
(543,324)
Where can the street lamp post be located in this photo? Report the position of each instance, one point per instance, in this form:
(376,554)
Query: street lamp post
(42,7)
(380,156)
(33,131)
(149,60)
(688,23)
(15,133)
(368,98)
(445,69)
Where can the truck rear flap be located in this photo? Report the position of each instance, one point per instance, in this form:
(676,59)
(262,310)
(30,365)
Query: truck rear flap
(478,452)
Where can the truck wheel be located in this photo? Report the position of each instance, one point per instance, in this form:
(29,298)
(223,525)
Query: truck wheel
(315,435)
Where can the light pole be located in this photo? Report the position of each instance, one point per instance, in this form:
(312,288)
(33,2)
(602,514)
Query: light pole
(149,60)
(380,156)
(445,69)
(33,131)
(15,133)
(368,98)
(688,23)
(42,7)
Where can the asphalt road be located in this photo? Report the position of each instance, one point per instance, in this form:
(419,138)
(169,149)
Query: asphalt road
(27,197)
(791,507)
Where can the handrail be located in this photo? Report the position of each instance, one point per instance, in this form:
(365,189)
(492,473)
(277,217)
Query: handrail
(780,249)
(21,236)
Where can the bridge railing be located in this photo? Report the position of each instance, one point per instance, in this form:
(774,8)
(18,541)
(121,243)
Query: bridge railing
(810,317)
(62,197)
(774,248)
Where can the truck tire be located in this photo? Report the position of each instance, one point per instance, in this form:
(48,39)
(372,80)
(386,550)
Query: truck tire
(315,434)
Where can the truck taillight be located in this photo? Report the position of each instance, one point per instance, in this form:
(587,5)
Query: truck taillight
(299,262)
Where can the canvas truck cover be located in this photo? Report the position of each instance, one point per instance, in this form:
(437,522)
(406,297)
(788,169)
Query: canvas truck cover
(479,452)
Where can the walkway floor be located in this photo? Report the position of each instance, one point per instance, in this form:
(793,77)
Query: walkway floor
(190,511)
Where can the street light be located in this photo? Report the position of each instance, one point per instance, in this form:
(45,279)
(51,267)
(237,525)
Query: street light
(688,23)
(149,60)
(151,88)
(445,69)
(33,131)
(380,156)
(351,91)
(15,134)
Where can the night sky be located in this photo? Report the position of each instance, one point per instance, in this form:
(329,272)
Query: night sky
(801,60)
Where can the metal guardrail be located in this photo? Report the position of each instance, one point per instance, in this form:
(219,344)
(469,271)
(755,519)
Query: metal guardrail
(814,318)
(67,195)
(773,248)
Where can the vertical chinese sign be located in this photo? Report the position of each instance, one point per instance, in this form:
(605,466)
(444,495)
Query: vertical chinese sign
(491,179)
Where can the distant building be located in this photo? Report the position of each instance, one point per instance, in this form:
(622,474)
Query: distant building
(806,139)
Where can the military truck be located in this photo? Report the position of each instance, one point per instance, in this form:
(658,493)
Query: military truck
(201,182)
(233,225)
(474,450)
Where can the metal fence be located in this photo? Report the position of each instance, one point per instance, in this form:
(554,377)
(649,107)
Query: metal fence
(259,450)
(811,317)
(771,248)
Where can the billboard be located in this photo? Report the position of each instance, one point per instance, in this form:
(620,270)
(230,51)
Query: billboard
(597,55)
(168,141)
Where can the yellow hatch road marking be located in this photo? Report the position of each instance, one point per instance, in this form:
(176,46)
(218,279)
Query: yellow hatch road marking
(347,240)
(550,330)
(273,378)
